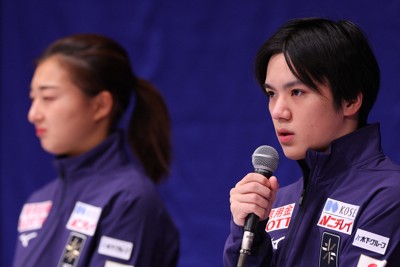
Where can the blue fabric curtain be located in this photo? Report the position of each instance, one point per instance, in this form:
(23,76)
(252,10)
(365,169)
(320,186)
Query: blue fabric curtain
(200,55)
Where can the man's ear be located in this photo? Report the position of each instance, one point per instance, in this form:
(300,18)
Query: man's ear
(351,108)
(102,104)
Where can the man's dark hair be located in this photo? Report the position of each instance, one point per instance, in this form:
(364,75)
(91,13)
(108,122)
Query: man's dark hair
(320,51)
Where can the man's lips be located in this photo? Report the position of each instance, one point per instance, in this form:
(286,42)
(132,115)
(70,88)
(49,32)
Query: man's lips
(285,136)
(284,132)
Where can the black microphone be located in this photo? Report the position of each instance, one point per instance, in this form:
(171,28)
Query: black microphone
(265,160)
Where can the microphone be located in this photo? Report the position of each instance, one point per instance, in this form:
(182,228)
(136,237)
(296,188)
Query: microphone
(265,160)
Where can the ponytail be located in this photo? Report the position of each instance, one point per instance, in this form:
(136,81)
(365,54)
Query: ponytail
(99,63)
(149,131)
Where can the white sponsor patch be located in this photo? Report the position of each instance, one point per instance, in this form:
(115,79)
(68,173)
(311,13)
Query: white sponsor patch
(33,216)
(371,241)
(115,248)
(279,218)
(338,216)
(116,264)
(366,261)
(84,218)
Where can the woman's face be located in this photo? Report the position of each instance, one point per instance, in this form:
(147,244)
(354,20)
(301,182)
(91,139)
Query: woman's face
(62,115)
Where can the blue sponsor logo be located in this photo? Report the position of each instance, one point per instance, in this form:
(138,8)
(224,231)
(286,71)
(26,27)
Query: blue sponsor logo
(331,205)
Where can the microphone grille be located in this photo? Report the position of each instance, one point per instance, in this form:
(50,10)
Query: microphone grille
(265,158)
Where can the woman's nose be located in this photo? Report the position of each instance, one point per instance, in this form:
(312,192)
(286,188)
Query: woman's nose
(34,114)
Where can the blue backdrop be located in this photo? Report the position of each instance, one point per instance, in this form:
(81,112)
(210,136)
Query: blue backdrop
(200,55)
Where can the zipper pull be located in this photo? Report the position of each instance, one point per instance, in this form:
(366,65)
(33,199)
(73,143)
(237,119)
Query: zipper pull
(302,197)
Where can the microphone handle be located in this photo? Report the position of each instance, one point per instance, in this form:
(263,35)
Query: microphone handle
(251,222)
(267,173)
(250,227)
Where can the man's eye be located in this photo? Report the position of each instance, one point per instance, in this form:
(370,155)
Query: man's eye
(269,94)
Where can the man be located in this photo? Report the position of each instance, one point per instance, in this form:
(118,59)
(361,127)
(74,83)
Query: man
(322,79)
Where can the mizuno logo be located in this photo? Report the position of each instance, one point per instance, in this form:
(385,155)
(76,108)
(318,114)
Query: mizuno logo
(275,242)
(25,238)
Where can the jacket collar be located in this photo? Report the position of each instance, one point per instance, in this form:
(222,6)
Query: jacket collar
(356,148)
(110,153)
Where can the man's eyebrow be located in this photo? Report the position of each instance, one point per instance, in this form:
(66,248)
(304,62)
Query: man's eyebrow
(285,86)
(44,87)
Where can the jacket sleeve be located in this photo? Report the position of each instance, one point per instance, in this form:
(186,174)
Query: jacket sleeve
(149,237)
(261,251)
(377,233)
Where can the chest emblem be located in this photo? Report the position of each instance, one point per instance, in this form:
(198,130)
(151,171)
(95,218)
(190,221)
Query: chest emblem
(73,250)
(338,216)
(84,218)
(328,255)
(279,218)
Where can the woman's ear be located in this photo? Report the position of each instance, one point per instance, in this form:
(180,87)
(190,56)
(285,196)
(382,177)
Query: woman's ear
(102,104)
(351,108)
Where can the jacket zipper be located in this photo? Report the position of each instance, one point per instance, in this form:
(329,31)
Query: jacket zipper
(292,232)
(295,226)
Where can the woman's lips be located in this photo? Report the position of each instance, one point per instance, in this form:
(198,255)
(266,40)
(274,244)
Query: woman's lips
(40,132)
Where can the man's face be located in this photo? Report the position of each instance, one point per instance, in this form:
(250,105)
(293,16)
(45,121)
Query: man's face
(302,118)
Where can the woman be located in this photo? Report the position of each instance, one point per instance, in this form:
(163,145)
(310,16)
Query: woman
(104,209)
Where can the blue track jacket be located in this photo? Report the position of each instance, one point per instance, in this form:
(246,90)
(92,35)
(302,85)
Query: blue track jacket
(101,211)
(345,211)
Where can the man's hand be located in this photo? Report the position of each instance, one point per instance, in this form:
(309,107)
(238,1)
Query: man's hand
(253,194)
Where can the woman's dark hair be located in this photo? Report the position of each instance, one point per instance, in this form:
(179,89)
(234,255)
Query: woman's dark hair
(98,63)
(320,51)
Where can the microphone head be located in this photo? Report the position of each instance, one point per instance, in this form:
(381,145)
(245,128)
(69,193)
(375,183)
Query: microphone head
(265,158)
